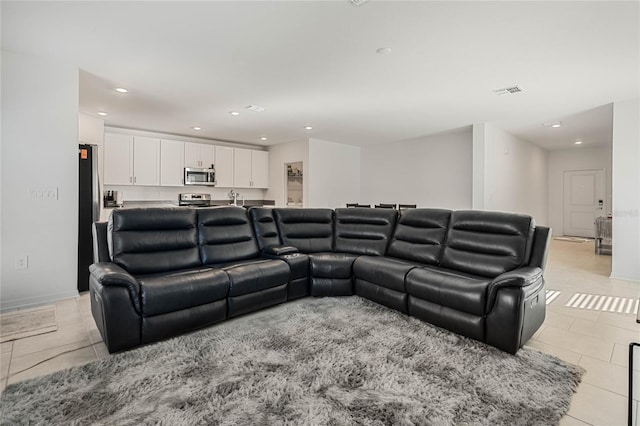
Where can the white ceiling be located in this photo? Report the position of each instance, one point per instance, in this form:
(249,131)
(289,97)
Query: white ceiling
(315,63)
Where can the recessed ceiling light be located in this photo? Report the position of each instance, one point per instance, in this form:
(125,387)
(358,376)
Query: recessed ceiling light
(578,142)
(121,90)
(255,108)
(196,128)
(263,138)
(234,113)
(554,124)
(102,113)
(383,51)
(308,128)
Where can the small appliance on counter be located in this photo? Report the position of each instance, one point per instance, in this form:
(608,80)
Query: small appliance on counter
(112,199)
(194,200)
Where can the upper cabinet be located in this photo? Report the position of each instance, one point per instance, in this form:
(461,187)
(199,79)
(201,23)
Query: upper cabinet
(241,168)
(199,155)
(130,160)
(138,160)
(250,168)
(171,163)
(260,169)
(118,159)
(224,166)
(146,161)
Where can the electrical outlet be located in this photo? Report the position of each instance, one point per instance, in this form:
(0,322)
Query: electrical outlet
(21,262)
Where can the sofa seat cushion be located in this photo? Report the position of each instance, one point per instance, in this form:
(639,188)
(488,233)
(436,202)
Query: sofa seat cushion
(173,291)
(456,290)
(253,276)
(383,271)
(331,265)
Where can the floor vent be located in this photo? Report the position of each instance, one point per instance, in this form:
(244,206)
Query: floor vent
(596,302)
(552,295)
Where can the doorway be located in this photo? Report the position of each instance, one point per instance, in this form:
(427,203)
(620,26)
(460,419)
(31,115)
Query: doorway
(294,187)
(584,201)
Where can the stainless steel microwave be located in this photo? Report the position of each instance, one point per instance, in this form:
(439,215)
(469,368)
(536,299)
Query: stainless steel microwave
(195,176)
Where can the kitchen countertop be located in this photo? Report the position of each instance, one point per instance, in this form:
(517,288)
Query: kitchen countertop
(173,203)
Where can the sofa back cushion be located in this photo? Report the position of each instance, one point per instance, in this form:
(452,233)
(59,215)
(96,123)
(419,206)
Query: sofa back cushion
(419,235)
(487,243)
(264,225)
(225,235)
(364,231)
(153,240)
(309,230)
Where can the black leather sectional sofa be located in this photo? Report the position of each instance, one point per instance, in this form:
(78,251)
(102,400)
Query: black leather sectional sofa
(163,271)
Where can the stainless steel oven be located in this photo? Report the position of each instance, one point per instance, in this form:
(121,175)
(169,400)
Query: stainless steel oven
(195,176)
(194,200)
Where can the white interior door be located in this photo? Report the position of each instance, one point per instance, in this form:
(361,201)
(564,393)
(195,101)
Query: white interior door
(584,198)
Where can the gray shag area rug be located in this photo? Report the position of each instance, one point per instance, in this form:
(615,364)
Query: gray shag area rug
(332,361)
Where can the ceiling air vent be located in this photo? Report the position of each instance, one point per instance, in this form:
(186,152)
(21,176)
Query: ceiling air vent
(507,90)
(357,2)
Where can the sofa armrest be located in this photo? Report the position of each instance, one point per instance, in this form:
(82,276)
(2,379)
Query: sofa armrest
(528,278)
(278,250)
(109,274)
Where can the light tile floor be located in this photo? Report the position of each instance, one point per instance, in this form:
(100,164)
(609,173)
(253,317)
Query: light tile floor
(598,341)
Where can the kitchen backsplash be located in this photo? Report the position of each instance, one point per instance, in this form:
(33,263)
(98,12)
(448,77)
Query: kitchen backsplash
(170,193)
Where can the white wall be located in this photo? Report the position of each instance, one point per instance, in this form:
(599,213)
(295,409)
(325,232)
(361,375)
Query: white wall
(626,190)
(577,158)
(478,195)
(279,155)
(39,150)
(515,174)
(433,171)
(90,129)
(333,174)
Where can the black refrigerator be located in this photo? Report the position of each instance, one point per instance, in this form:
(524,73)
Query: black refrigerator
(88,209)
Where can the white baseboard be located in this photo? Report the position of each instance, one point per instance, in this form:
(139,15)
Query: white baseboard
(30,302)
(625,277)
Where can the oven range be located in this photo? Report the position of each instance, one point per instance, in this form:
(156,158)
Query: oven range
(194,200)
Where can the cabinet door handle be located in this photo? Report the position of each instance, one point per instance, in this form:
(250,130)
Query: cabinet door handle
(135,180)
(130,179)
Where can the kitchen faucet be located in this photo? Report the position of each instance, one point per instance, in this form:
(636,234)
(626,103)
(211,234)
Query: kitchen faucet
(233,195)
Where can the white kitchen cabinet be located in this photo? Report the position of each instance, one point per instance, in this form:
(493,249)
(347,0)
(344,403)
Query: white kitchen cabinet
(241,168)
(199,155)
(171,163)
(118,159)
(259,169)
(224,166)
(250,168)
(146,161)
(130,160)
